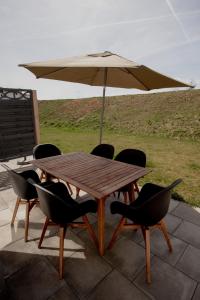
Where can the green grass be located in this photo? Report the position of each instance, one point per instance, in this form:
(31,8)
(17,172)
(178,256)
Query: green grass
(169,158)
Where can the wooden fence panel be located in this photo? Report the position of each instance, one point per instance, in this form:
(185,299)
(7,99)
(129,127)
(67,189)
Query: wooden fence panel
(19,123)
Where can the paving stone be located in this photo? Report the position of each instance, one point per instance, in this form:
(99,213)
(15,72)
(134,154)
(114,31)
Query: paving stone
(187,213)
(5,216)
(65,293)
(127,257)
(83,270)
(35,229)
(16,255)
(10,233)
(92,220)
(3,204)
(9,197)
(133,235)
(197,293)
(160,248)
(188,232)
(116,286)
(36,213)
(84,235)
(189,263)
(37,280)
(167,282)
(50,247)
(172,222)
(173,204)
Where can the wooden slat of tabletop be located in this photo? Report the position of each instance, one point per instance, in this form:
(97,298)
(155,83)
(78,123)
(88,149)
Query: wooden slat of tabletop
(95,175)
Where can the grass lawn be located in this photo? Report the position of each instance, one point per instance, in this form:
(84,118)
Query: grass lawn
(168,158)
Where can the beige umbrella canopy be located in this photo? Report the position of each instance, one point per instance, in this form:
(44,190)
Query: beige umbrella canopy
(103,69)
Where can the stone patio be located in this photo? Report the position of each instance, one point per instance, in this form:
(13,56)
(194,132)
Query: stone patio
(27,272)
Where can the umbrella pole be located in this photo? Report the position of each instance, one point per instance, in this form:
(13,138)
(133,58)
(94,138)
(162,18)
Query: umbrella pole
(103,105)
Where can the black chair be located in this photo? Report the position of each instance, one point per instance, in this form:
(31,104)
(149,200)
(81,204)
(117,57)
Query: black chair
(61,210)
(47,150)
(133,157)
(147,211)
(104,150)
(26,193)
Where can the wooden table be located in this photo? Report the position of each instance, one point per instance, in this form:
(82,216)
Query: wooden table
(95,175)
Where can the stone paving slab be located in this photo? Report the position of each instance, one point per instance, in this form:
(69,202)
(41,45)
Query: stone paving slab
(187,213)
(84,270)
(189,233)
(16,256)
(116,286)
(37,280)
(64,293)
(127,257)
(173,204)
(172,222)
(167,282)
(190,263)
(9,234)
(197,293)
(160,248)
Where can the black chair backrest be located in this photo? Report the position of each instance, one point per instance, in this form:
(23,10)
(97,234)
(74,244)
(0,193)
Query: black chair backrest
(154,208)
(20,184)
(104,150)
(132,156)
(53,206)
(45,150)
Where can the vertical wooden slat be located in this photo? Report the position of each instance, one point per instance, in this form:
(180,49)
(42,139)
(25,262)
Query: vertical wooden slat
(36,118)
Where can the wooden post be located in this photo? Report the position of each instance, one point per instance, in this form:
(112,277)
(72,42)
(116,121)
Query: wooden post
(36,117)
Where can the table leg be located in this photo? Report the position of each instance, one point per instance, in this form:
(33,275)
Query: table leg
(101,224)
(131,193)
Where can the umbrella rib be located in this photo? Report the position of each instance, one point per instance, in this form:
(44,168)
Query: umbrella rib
(128,71)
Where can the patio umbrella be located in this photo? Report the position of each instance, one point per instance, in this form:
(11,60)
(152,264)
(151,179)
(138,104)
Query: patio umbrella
(103,69)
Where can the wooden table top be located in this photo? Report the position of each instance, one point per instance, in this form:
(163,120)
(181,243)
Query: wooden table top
(95,175)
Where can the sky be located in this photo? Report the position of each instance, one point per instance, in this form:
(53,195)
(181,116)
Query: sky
(161,34)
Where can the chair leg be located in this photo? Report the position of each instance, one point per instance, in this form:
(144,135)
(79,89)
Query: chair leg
(27,221)
(43,232)
(69,188)
(164,231)
(77,192)
(15,210)
(116,232)
(91,231)
(125,194)
(131,193)
(136,188)
(42,175)
(61,251)
(147,251)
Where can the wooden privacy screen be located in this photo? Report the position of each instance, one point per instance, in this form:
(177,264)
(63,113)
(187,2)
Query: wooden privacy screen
(19,123)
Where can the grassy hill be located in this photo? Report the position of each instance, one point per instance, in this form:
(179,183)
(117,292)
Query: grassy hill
(169,114)
(165,125)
